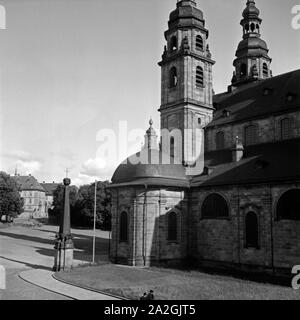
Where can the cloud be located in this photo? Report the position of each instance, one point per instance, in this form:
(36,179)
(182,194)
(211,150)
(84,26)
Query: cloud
(28,167)
(83,179)
(23,161)
(94,169)
(64,153)
(18,154)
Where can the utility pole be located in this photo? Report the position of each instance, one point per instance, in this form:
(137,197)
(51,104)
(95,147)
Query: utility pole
(95,208)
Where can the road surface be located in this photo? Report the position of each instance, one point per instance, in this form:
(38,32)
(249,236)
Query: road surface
(27,248)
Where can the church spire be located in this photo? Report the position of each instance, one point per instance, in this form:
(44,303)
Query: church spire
(151,137)
(252,60)
(251,21)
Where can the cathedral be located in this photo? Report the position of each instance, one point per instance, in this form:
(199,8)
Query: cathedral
(219,187)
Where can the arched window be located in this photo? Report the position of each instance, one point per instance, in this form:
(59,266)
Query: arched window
(220,140)
(173,44)
(265,70)
(172,147)
(243,71)
(172,226)
(288,206)
(286,127)
(251,135)
(199,43)
(252,27)
(251,229)
(199,77)
(173,77)
(214,206)
(123,227)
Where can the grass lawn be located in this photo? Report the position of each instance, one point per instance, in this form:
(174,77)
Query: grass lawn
(4,225)
(170,284)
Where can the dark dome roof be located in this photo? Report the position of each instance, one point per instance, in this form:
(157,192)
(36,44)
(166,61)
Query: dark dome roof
(186,13)
(252,43)
(251,10)
(128,171)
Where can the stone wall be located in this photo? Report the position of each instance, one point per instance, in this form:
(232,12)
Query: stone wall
(223,240)
(211,239)
(147,232)
(286,233)
(219,241)
(269,130)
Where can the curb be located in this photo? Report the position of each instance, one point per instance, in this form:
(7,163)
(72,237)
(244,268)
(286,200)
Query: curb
(39,286)
(88,288)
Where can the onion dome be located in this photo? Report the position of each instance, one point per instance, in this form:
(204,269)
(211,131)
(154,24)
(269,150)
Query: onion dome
(186,14)
(254,46)
(251,10)
(252,50)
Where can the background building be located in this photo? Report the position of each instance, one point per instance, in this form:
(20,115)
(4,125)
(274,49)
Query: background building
(49,189)
(34,197)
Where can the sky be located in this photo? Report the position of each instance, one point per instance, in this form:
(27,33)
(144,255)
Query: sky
(70,69)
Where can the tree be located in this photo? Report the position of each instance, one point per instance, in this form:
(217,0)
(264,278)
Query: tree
(11,203)
(82,205)
(58,203)
(86,202)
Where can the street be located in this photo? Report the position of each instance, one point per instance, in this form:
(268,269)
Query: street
(25,248)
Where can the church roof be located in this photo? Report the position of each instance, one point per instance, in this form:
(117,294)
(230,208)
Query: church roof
(50,187)
(263,163)
(28,183)
(258,99)
(149,167)
(253,45)
(186,14)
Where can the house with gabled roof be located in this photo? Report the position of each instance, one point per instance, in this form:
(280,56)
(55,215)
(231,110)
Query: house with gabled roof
(34,195)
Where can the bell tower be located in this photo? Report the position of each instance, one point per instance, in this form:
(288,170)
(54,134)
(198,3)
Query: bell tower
(252,60)
(186,81)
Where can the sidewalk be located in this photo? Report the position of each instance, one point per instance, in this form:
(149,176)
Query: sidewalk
(45,279)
